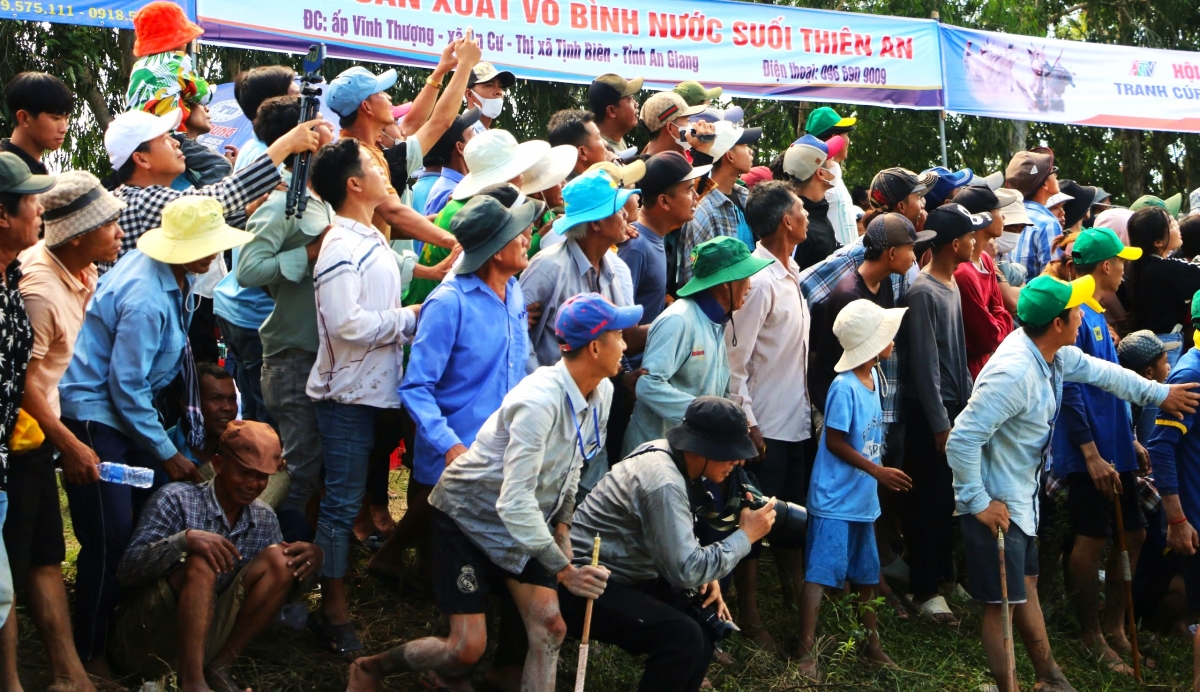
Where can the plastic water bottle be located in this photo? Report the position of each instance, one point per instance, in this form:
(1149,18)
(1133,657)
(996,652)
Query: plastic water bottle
(136,476)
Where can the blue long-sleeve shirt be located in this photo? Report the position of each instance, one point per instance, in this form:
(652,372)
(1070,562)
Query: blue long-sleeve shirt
(1001,438)
(469,352)
(1090,414)
(130,348)
(1174,449)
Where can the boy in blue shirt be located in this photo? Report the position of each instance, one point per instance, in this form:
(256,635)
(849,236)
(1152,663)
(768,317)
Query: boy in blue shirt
(1095,456)
(843,500)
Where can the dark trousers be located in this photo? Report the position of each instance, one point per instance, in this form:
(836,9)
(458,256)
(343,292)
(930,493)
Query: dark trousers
(103,515)
(618,420)
(929,505)
(650,619)
(389,428)
(247,351)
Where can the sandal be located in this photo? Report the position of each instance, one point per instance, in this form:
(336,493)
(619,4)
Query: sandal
(340,640)
(898,606)
(937,606)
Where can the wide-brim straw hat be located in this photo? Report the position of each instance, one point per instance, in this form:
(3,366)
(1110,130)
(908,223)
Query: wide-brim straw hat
(552,169)
(192,228)
(78,204)
(864,329)
(494,157)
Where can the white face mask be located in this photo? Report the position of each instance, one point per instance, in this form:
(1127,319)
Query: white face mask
(1006,243)
(682,142)
(489,108)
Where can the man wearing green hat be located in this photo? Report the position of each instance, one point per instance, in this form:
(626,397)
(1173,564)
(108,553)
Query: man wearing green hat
(1172,204)
(824,123)
(695,94)
(685,351)
(998,445)
(20,221)
(1094,455)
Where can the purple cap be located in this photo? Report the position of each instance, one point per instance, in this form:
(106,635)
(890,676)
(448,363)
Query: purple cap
(583,318)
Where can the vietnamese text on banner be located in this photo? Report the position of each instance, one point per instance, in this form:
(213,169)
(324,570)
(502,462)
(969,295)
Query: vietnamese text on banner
(113,13)
(1074,82)
(751,50)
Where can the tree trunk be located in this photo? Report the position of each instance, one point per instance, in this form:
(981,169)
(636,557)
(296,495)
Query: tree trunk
(1133,166)
(125,39)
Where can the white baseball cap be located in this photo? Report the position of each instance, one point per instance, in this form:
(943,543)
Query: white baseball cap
(730,135)
(129,130)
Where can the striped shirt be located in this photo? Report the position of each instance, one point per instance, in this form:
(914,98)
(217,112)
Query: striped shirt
(360,323)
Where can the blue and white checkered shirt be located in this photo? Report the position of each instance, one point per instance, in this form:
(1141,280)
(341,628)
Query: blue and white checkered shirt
(819,280)
(716,215)
(1035,246)
(159,542)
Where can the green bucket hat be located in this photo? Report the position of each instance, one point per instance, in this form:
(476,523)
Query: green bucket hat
(721,260)
(1172,204)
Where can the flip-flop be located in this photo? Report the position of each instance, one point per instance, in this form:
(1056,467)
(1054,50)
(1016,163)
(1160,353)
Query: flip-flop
(340,640)
(898,606)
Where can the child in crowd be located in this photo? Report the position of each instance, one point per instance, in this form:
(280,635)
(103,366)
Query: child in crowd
(843,501)
(1144,353)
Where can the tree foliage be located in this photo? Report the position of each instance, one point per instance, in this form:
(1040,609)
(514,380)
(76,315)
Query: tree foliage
(95,63)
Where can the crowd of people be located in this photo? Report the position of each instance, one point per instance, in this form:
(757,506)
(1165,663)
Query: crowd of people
(668,357)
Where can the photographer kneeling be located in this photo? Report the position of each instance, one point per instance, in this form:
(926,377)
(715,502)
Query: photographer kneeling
(663,583)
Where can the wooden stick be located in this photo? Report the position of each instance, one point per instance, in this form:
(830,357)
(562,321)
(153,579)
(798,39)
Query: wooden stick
(1005,617)
(1127,575)
(581,671)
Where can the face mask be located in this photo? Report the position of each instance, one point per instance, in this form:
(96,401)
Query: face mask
(1006,243)
(683,142)
(489,108)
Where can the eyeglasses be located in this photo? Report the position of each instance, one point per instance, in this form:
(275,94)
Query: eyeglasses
(587,456)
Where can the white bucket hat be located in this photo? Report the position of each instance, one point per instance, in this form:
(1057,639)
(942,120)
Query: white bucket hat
(493,156)
(552,169)
(864,330)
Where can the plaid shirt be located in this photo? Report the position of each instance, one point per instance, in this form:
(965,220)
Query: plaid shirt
(716,215)
(234,193)
(159,543)
(818,281)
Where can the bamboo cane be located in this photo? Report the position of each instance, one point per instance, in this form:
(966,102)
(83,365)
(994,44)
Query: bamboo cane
(1127,575)
(581,671)
(1005,617)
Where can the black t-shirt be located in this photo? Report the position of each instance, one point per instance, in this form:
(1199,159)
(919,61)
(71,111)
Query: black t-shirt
(35,166)
(824,351)
(821,240)
(1157,293)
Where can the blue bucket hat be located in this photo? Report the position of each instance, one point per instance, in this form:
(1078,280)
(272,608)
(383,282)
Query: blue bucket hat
(349,89)
(591,197)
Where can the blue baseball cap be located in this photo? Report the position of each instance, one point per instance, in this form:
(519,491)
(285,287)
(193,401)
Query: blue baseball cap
(591,197)
(349,89)
(583,318)
(947,181)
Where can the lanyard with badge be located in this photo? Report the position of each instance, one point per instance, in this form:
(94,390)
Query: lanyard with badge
(579,431)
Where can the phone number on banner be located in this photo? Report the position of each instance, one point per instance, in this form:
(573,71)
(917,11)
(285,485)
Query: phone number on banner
(113,13)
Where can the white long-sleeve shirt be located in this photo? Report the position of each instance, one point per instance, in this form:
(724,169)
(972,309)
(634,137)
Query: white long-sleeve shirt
(767,366)
(360,323)
(841,208)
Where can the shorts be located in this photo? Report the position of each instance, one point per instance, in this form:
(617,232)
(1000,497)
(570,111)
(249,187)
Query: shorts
(1189,567)
(783,474)
(841,551)
(33,532)
(463,575)
(983,561)
(1090,512)
(145,639)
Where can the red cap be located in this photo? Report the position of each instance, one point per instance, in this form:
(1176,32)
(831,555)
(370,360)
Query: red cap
(161,27)
(756,175)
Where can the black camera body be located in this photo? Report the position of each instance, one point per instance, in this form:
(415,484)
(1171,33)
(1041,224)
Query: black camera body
(706,616)
(791,519)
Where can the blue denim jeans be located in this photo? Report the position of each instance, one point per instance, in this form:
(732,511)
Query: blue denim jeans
(248,353)
(103,515)
(347,437)
(6,582)
(284,382)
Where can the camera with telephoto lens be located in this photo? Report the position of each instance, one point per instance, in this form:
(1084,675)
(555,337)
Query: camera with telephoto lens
(707,618)
(791,520)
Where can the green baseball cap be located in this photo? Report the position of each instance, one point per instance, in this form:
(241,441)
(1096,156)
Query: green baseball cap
(825,122)
(1046,297)
(695,94)
(720,260)
(1196,308)
(1172,204)
(16,178)
(1098,244)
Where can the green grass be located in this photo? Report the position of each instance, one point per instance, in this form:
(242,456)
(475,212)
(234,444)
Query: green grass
(931,658)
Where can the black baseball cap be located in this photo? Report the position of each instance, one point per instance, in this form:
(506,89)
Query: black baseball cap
(1077,208)
(952,221)
(891,185)
(607,89)
(667,169)
(441,149)
(893,230)
(978,199)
